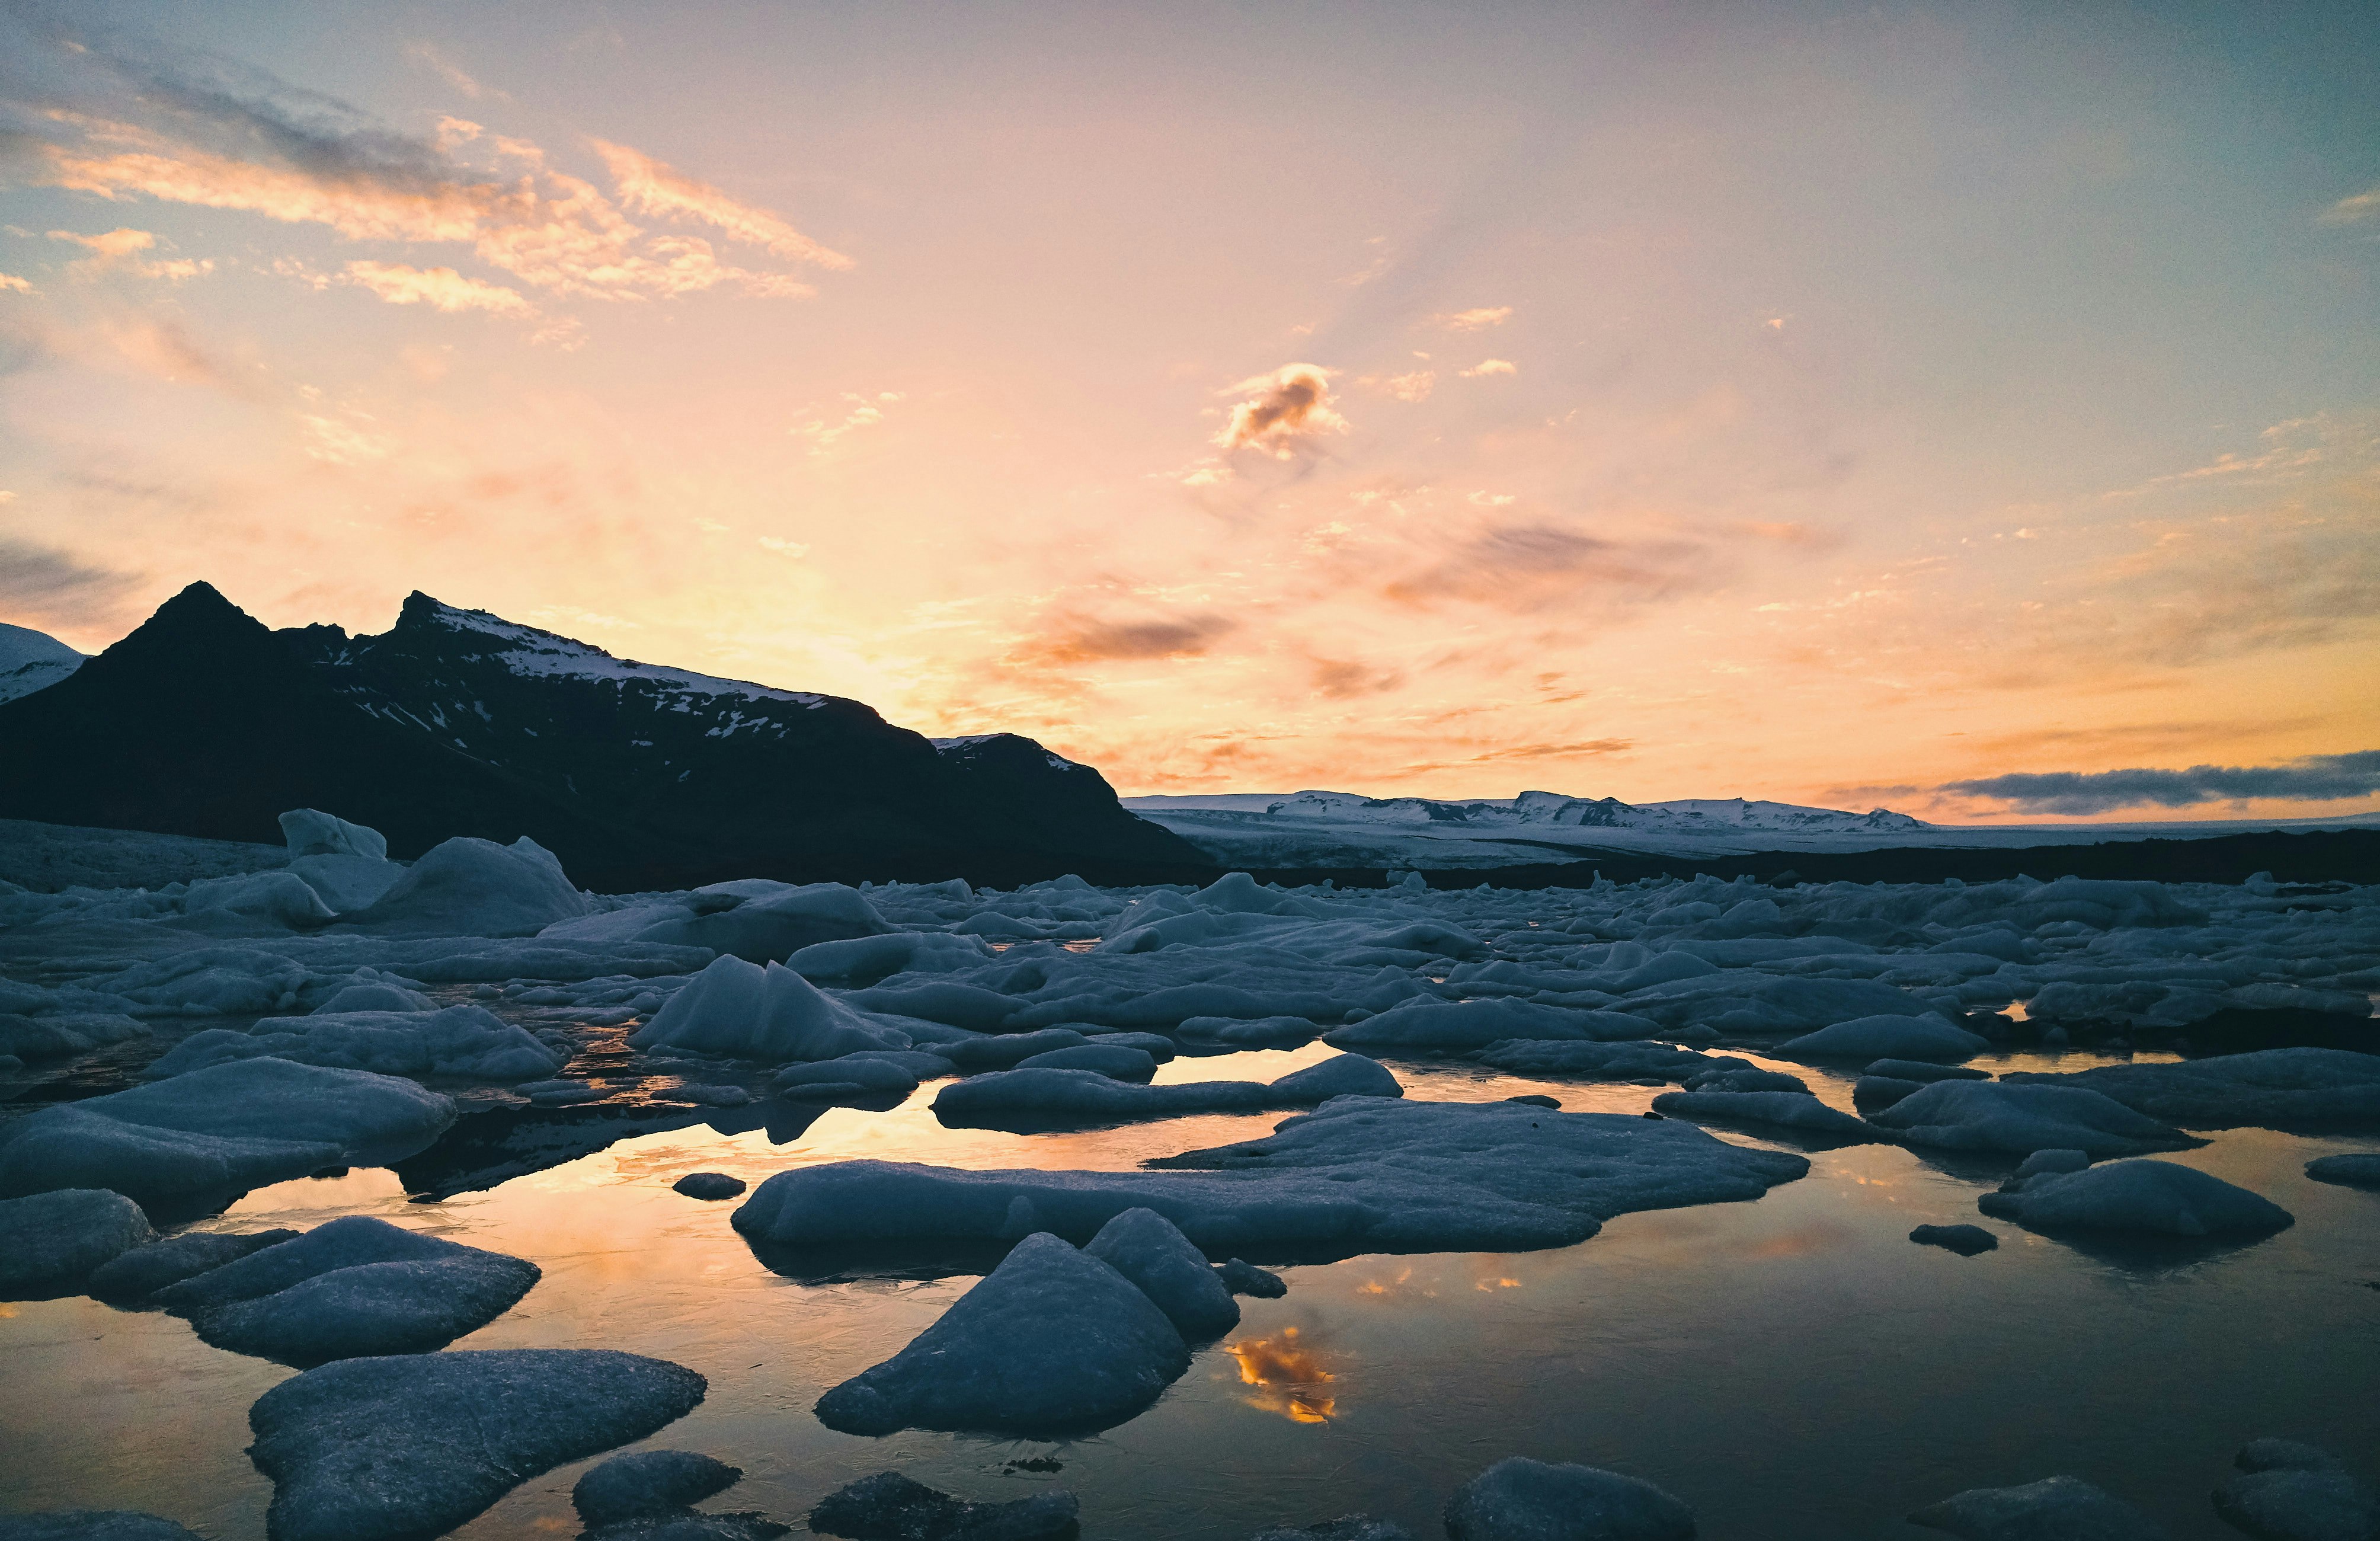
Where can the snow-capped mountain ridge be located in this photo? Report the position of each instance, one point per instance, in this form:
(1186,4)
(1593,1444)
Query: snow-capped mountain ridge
(31,661)
(1731,814)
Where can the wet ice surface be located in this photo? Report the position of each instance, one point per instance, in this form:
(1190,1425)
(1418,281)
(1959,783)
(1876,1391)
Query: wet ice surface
(1790,1367)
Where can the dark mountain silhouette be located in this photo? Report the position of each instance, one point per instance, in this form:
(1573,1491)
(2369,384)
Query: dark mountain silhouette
(453,721)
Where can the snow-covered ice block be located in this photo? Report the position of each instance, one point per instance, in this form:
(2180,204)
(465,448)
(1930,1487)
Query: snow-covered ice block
(219,1130)
(1268,1032)
(1599,1062)
(2054,1509)
(1116,1061)
(1093,1094)
(345,883)
(2353,1172)
(2287,1491)
(1052,1341)
(2020,1120)
(1520,1499)
(374,995)
(867,959)
(267,898)
(649,1482)
(476,888)
(867,1074)
(1787,1109)
(1360,1174)
(1002,1050)
(753,920)
(889,1507)
(1897,1037)
(2277,1088)
(1429,1024)
(2052,1160)
(54,1241)
(2143,1196)
(375,1450)
(1737,1076)
(311,833)
(141,1272)
(91,1525)
(761,1013)
(1145,1247)
(1924,1073)
(53,1037)
(463,1040)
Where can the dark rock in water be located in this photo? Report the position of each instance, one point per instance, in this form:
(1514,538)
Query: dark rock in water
(144,1270)
(2291,1492)
(52,1242)
(708,1184)
(375,1450)
(2054,1509)
(1243,1278)
(203,722)
(355,1286)
(91,1525)
(1534,1099)
(2353,1172)
(1347,1527)
(1145,1247)
(889,1507)
(1520,1499)
(1965,1240)
(649,1482)
(1052,1341)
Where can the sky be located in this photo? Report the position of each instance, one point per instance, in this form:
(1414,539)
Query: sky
(1970,409)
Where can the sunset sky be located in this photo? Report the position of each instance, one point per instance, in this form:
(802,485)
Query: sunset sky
(1836,403)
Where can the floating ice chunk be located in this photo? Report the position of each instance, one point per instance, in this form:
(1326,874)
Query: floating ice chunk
(649,1482)
(758,921)
(1787,1110)
(1269,1032)
(374,995)
(477,888)
(558,1094)
(2052,1160)
(2158,1196)
(2291,1492)
(311,833)
(144,1270)
(1243,1277)
(91,1525)
(1143,1246)
(2020,1120)
(1361,1174)
(347,883)
(272,898)
(48,1037)
(867,1074)
(867,959)
(2277,1088)
(772,1013)
(372,1308)
(1967,1240)
(708,1185)
(351,1240)
(948,1002)
(889,1507)
(1740,1077)
(1427,1023)
(219,1130)
(1600,1062)
(2353,1172)
(1157,1046)
(1520,1499)
(1900,1037)
(2054,1509)
(375,1450)
(1052,1341)
(459,1041)
(1116,1061)
(1871,1093)
(1925,1073)
(53,1242)
(1347,1527)
(1092,1094)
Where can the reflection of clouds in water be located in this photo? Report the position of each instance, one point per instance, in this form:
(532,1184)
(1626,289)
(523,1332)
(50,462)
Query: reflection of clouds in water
(1286,1373)
(1497,1283)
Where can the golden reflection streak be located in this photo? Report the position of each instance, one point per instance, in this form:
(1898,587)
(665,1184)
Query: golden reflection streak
(1286,1372)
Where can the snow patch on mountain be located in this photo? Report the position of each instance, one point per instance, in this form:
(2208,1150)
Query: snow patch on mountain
(31,661)
(532,653)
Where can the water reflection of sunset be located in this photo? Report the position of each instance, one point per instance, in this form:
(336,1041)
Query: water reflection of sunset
(1286,1373)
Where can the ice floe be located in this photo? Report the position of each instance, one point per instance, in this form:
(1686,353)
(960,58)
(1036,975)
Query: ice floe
(461,1041)
(471,887)
(2020,1120)
(53,1242)
(2287,1491)
(2278,1089)
(1145,1247)
(2054,1509)
(374,1450)
(2162,1197)
(1090,1094)
(889,1507)
(132,1278)
(1520,1499)
(649,1483)
(762,1013)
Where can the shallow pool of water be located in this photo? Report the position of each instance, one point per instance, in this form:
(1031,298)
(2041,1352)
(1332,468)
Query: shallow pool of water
(1792,1367)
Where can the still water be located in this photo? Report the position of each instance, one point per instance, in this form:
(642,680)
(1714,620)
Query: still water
(1792,1367)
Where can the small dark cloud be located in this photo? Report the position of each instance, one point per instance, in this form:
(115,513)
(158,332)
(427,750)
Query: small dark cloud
(1532,566)
(2312,779)
(42,583)
(1567,749)
(1341,679)
(1092,641)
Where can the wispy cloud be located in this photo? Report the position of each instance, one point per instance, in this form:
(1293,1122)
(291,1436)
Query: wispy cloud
(40,582)
(2311,778)
(9,282)
(864,412)
(646,185)
(1282,412)
(2352,210)
(120,250)
(439,288)
(1491,365)
(1475,320)
(1079,639)
(446,69)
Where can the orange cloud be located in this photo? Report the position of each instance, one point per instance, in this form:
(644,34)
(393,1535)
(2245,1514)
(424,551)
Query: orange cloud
(120,248)
(1491,365)
(1288,405)
(439,288)
(649,187)
(1476,319)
